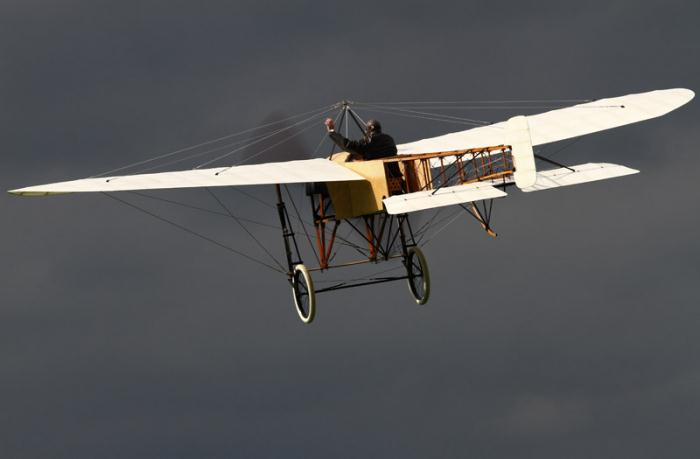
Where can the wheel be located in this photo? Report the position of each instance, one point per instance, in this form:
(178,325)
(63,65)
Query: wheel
(418,275)
(304,294)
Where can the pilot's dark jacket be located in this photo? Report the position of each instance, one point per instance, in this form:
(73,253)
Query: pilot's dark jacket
(379,145)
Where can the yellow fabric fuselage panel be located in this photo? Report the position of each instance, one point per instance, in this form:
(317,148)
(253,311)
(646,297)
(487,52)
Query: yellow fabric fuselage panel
(354,199)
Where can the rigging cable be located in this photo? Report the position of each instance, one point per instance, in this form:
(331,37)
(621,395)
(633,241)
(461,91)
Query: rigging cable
(343,240)
(258,140)
(202,209)
(416,112)
(194,233)
(223,206)
(454,217)
(493,101)
(420,232)
(303,225)
(264,138)
(296,134)
(497,107)
(559,150)
(406,115)
(212,150)
(209,142)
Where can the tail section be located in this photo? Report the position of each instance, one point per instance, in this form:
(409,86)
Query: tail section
(518,134)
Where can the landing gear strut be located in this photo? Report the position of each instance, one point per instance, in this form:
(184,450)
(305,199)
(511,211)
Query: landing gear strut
(388,237)
(302,284)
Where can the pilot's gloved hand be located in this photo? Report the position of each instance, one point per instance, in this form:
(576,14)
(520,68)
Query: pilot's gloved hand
(330,124)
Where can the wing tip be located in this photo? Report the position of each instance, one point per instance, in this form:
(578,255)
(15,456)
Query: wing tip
(681,95)
(18,192)
(688,94)
(28,192)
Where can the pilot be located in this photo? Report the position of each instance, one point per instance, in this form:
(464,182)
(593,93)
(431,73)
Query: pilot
(373,145)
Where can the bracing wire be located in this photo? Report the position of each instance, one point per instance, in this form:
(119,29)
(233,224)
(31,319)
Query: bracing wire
(303,225)
(225,208)
(253,197)
(442,228)
(194,233)
(258,140)
(562,148)
(496,107)
(504,101)
(203,153)
(429,224)
(258,153)
(406,115)
(447,117)
(342,240)
(287,128)
(209,142)
(202,209)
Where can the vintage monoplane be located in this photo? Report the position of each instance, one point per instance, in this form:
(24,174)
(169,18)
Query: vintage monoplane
(469,169)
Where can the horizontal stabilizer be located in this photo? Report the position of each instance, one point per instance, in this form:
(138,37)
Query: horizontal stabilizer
(447,196)
(583,173)
(302,171)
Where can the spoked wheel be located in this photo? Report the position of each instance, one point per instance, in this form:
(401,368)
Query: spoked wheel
(304,294)
(418,275)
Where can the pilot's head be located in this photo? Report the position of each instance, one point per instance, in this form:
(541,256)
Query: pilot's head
(373,127)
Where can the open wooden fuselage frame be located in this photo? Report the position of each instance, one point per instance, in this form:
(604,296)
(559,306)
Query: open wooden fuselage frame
(360,203)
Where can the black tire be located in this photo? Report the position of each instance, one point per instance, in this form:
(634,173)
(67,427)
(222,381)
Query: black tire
(304,294)
(418,275)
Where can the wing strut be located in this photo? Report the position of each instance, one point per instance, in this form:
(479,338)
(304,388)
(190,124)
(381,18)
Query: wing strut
(482,216)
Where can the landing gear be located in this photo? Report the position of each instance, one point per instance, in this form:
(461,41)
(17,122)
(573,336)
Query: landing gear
(304,294)
(418,275)
(302,286)
(389,237)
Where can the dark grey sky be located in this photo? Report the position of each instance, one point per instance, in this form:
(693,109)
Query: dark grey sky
(574,334)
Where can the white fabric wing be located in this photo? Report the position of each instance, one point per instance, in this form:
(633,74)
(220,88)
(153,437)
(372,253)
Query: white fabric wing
(304,171)
(562,123)
(447,196)
(582,173)
(544,128)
